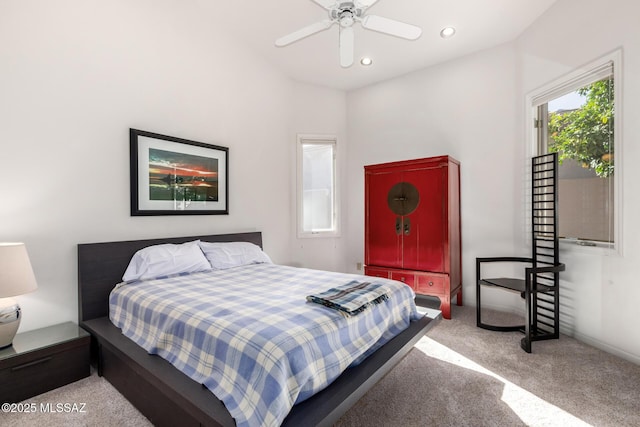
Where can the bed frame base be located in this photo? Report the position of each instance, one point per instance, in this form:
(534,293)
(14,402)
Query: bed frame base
(167,397)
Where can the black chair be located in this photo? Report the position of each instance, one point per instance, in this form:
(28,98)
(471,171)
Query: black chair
(540,286)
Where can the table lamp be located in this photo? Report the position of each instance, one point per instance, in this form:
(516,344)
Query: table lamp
(16,278)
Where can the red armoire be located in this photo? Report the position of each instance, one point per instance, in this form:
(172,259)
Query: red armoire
(412,226)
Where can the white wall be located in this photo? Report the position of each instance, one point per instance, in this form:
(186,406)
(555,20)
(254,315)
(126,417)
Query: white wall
(76,75)
(600,287)
(465,109)
(320,111)
(473,109)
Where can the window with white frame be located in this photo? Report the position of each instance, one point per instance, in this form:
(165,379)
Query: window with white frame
(576,117)
(316,186)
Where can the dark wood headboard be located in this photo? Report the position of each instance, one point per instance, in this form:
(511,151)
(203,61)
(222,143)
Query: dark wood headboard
(101,266)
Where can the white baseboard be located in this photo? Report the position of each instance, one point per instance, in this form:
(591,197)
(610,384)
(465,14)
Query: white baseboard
(603,346)
(577,335)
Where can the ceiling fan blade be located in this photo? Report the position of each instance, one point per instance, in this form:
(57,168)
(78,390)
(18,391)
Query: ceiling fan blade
(325,3)
(346,46)
(367,3)
(391,26)
(304,32)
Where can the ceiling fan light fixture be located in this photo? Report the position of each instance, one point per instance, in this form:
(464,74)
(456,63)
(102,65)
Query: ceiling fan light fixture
(447,32)
(366,61)
(346,19)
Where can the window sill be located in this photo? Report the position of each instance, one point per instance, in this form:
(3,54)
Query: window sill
(319,234)
(587,247)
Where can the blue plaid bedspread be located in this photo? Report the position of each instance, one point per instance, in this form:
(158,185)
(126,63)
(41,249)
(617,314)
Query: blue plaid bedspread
(249,336)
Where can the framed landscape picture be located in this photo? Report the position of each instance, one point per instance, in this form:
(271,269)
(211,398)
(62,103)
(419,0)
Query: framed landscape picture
(175,176)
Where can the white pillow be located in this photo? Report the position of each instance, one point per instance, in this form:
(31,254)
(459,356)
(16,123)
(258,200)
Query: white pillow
(163,260)
(233,254)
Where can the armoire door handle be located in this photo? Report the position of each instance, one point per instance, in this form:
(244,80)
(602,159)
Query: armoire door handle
(407,226)
(398,225)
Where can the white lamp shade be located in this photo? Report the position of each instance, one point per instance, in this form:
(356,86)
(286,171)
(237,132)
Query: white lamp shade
(16,274)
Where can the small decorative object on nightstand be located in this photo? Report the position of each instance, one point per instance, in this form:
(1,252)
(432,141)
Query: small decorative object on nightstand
(16,278)
(43,359)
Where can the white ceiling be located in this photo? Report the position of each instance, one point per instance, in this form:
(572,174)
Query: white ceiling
(480,24)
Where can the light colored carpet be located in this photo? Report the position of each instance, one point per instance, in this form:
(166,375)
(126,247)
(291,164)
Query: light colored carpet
(104,406)
(458,375)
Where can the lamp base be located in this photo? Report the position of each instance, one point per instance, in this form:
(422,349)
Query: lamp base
(9,321)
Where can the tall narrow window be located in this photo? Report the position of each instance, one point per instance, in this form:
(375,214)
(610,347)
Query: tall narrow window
(317,207)
(576,118)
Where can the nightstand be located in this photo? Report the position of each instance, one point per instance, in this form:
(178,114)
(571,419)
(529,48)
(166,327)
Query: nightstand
(43,359)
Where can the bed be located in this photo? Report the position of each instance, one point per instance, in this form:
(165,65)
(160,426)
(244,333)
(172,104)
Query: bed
(167,396)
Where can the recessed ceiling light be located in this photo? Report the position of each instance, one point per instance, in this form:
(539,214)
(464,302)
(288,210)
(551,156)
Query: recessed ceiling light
(366,61)
(447,32)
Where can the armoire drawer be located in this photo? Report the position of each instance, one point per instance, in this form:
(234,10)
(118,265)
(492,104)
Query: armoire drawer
(404,277)
(427,284)
(377,272)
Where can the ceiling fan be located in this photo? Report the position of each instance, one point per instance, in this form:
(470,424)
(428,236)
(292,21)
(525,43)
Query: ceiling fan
(345,14)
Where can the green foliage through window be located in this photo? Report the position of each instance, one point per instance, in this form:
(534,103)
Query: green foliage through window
(586,134)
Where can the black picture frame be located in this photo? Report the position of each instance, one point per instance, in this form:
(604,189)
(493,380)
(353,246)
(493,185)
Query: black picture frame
(176,176)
